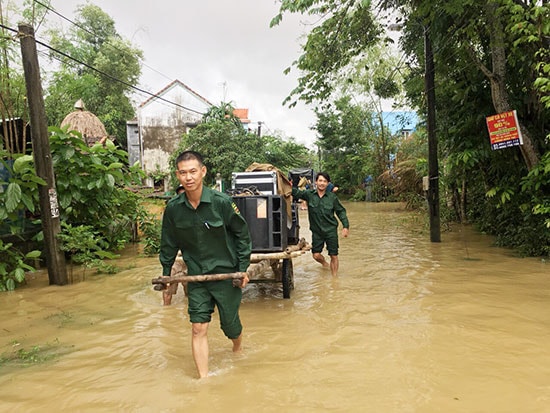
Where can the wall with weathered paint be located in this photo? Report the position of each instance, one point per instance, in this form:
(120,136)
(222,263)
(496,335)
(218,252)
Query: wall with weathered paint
(160,143)
(162,124)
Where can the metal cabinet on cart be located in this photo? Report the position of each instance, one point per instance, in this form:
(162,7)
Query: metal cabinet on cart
(271,229)
(267,221)
(264,182)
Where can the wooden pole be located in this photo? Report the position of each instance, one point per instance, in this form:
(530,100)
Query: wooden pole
(433,166)
(253,270)
(49,210)
(275,255)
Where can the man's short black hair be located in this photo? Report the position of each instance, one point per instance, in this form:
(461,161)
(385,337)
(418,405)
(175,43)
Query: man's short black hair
(324,175)
(189,155)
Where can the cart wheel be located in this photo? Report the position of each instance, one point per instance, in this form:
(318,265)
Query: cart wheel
(287,277)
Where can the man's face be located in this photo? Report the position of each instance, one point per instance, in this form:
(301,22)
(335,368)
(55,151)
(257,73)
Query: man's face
(321,183)
(190,174)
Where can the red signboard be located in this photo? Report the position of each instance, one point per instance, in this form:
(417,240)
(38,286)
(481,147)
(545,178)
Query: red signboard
(504,130)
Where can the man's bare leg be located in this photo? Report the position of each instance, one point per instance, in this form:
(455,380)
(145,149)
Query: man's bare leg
(317,256)
(199,346)
(237,343)
(334,264)
(166,297)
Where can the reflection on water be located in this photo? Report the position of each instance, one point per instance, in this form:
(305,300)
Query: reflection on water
(407,326)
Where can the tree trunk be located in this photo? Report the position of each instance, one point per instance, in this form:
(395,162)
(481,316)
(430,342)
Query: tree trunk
(497,78)
(463,198)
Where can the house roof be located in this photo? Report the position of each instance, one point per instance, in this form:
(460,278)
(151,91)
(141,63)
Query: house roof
(242,114)
(171,85)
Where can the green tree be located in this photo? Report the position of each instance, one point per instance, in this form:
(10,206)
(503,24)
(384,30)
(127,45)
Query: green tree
(350,135)
(345,31)
(224,112)
(102,70)
(227,147)
(486,56)
(490,56)
(285,154)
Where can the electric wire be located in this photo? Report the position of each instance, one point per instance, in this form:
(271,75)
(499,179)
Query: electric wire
(81,27)
(138,89)
(53,49)
(74,64)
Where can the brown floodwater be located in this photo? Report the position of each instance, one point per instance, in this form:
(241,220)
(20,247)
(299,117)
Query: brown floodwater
(407,326)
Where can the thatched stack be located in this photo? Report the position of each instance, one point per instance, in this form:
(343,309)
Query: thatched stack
(88,124)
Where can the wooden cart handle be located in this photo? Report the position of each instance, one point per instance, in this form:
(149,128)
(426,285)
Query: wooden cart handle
(253,270)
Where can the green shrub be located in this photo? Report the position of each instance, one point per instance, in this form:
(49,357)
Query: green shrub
(13,266)
(151,229)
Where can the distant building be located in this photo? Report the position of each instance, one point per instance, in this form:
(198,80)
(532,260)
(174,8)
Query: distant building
(401,123)
(242,114)
(161,122)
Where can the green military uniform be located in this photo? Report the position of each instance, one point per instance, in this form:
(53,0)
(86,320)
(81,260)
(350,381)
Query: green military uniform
(322,220)
(213,239)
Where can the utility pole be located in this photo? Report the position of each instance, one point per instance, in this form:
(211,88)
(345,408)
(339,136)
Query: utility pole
(433,165)
(49,210)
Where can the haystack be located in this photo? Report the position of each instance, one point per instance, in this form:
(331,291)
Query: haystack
(88,124)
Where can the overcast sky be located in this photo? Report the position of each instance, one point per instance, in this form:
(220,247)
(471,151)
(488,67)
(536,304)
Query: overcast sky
(223,50)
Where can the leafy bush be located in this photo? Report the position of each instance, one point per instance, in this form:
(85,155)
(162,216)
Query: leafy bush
(85,246)
(20,193)
(151,228)
(92,187)
(96,203)
(537,184)
(358,195)
(13,266)
(21,190)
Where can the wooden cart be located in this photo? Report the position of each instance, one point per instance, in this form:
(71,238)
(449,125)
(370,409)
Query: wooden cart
(280,263)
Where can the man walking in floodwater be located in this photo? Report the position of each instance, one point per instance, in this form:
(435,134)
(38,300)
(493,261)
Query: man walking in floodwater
(322,207)
(207,227)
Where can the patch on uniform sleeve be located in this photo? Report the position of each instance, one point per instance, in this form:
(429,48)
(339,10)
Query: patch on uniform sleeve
(235,208)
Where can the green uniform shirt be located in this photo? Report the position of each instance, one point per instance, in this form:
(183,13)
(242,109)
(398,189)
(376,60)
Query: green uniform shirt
(321,210)
(213,238)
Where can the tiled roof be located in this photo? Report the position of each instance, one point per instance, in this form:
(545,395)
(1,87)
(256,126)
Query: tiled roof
(242,114)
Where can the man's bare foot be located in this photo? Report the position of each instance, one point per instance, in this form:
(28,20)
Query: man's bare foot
(326,265)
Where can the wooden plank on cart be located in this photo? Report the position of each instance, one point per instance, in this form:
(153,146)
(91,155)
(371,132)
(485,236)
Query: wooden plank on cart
(256,257)
(292,251)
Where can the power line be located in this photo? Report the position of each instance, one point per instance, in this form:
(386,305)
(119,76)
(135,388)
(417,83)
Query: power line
(106,74)
(9,29)
(115,78)
(75,65)
(95,35)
